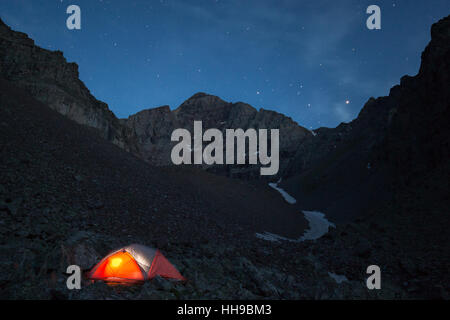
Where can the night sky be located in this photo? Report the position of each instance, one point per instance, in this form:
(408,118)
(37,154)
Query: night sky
(314,61)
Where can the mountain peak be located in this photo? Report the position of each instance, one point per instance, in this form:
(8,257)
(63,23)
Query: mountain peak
(436,53)
(201,101)
(199,95)
(2,24)
(440,29)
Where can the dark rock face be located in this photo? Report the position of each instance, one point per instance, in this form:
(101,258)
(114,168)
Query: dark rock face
(418,139)
(405,137)
(154,127)
(52,80)
(394,140)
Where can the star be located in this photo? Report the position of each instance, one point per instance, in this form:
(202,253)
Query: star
(347,101)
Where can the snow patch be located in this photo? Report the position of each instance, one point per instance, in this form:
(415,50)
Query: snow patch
(271,237)
(318,226)
(289,199)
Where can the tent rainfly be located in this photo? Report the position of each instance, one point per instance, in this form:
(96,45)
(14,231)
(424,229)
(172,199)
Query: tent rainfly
(134,263)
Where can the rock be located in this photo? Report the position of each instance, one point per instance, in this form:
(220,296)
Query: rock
(4,207)
(79,249)
(268,290)
(408,266)
(85,256)
(95,204)
(11,206)
(162,284)
(94,291)
(363,248)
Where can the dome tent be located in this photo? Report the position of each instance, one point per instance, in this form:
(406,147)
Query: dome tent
(134,263)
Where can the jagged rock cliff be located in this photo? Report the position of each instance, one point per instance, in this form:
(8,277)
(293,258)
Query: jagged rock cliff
(52,80)
(394,140)
(154,127)
(403,216)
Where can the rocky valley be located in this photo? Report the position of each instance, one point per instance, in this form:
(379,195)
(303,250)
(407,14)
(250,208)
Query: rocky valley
(77,182)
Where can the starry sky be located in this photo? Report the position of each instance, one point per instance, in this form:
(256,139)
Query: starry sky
(313,60)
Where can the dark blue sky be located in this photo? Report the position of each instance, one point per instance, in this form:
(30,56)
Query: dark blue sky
(301,58)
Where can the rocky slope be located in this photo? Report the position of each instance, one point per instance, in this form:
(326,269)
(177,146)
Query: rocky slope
(61,183)
(68,196)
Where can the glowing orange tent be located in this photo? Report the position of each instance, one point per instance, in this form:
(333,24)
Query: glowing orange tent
(134,263)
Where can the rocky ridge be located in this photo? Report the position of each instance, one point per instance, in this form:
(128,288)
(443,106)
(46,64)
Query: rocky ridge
(52,80)
(394,140)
